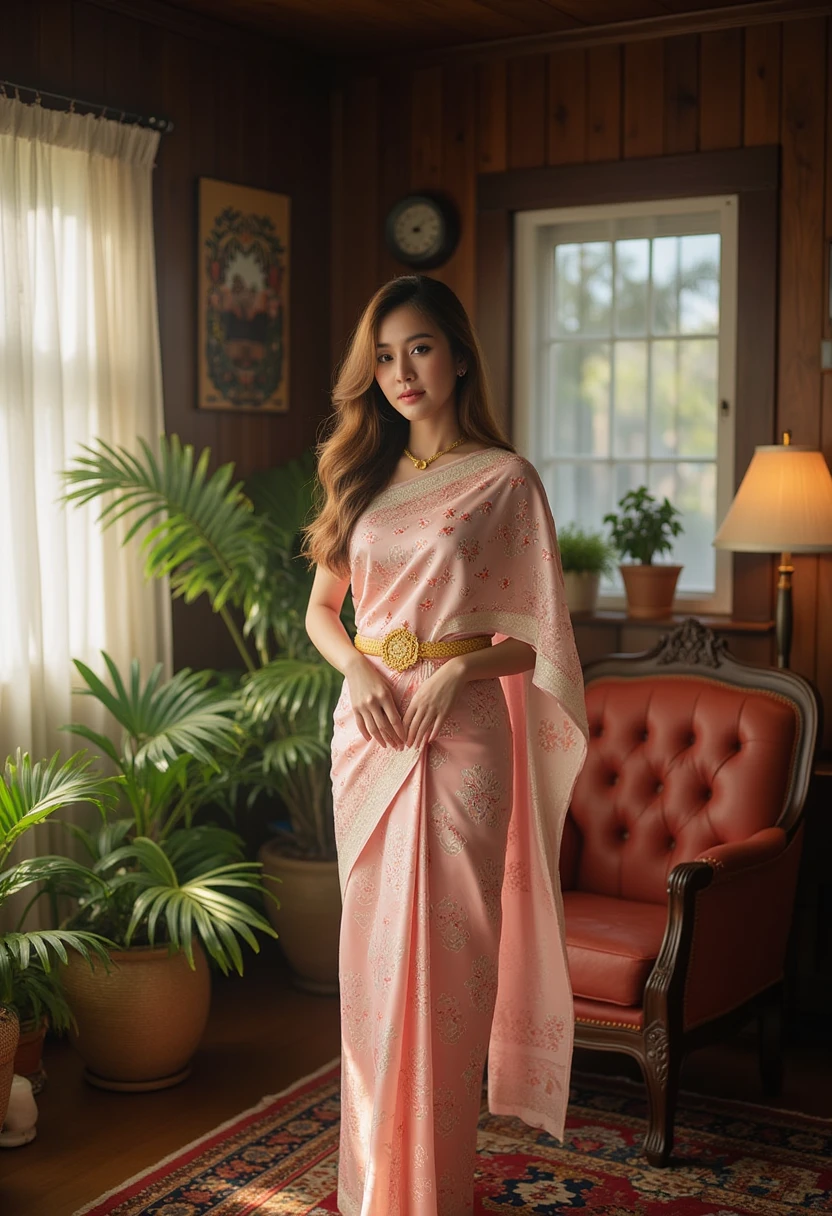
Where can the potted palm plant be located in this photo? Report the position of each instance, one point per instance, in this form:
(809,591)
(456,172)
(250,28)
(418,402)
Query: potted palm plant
(177,887)
(239,546)
(644,528)
(585,556)
(29,795)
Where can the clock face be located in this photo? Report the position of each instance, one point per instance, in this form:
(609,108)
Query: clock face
(422,231)
(418,230)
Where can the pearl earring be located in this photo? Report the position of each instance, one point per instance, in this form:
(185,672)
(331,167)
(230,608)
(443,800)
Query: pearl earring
(461,371)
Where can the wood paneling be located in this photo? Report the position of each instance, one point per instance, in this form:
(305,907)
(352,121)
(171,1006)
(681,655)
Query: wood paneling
(643,98)
(527,112)
(491,133)
(720,90)
(762,85)
(373,27)
(459,178)
(604,103)
(801,280)
(246,110)
(681,94)
(567,107)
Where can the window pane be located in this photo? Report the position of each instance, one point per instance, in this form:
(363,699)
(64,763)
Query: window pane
(691,488)
(698,386)
(699,284)
(580,389)
(665,299)
(579,493)
(664,438)
(632,269)
(630,399)
(583,288)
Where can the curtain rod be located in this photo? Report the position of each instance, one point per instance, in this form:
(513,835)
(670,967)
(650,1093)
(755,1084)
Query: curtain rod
(163,125)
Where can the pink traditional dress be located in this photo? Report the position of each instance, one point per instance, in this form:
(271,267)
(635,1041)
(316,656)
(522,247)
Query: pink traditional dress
(452,943)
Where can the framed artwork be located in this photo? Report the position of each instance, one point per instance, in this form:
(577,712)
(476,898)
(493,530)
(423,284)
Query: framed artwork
(243,337)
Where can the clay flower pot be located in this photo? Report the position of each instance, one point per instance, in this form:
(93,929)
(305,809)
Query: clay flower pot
(28,1059)
(650,590)
(309,917)
(139,1025)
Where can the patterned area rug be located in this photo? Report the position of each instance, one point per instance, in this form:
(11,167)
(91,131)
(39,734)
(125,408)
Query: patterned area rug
(730,1159)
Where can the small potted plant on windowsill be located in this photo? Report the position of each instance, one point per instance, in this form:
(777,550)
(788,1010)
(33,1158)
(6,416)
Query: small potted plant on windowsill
(644,528)
(585,556)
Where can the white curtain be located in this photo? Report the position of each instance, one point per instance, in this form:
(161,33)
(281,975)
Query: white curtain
(79,360)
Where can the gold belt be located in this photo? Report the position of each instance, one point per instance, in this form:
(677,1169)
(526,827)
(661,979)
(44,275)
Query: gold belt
(401,649)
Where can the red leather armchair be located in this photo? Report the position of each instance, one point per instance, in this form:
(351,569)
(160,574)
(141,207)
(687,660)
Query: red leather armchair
(680,856)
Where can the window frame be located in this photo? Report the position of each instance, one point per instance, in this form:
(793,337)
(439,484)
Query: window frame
(753,175)
(530,308)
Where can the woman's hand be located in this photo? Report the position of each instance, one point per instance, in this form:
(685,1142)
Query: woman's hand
(376,713)
(432,702)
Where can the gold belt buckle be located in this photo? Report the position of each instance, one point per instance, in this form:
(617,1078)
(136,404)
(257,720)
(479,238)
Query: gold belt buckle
(400,649)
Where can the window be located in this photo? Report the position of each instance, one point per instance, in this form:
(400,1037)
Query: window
(625,337)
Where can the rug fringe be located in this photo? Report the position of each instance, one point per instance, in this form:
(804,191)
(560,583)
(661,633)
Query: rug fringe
(186,1148)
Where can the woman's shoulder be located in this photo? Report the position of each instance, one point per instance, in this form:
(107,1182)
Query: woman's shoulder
(512,466)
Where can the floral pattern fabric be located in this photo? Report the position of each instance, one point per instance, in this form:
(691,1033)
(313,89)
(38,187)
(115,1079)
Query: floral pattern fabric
(452,929)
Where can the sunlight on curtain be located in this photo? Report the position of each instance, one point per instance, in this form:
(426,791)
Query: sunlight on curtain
(79,359)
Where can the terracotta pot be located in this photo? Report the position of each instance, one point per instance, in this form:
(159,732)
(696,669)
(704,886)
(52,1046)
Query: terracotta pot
(9,1034)
(139,1025)
(581,591)
(28,1059)
(650,590)
(309,918)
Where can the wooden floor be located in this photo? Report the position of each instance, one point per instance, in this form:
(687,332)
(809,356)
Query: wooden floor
(263,1035)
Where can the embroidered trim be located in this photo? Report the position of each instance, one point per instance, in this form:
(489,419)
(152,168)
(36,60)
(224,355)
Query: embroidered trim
(396,771)
(414,488)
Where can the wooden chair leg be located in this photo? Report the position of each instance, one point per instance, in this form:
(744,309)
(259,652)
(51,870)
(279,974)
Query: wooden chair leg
(770,1023)
(662,1063)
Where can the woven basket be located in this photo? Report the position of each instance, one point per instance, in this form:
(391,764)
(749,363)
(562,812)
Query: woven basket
(9,1033)
(139,1025)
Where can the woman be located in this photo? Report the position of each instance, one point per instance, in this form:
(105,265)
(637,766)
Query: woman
(458,737)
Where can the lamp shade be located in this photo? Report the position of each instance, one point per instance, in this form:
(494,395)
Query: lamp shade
(783,505)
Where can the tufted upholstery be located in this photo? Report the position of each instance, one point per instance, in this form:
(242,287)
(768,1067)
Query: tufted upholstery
(676,767)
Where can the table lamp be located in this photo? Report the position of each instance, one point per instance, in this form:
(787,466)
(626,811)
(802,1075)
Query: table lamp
(783,505)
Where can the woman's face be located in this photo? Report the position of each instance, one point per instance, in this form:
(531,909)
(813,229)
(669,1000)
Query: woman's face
(415,368)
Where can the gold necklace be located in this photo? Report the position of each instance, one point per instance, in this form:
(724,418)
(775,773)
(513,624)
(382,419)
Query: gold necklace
(423,464)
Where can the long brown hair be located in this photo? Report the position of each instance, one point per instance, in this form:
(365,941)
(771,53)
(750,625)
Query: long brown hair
(367,436)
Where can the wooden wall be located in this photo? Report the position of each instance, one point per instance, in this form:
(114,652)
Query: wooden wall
(245,110)
(442,125)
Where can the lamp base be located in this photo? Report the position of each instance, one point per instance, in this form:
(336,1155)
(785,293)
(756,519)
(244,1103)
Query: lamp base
(783,611)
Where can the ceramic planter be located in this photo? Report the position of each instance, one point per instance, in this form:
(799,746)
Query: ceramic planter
(9,1034)
(139,1025)
(650,590)
(309,918)
(581,591)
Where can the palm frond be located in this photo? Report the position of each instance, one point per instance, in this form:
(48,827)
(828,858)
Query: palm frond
(61,871)
(282,756)
(285,496)
(30,793)
(288,686)
(163,720)
(200,905)
(204,532)
(47,946)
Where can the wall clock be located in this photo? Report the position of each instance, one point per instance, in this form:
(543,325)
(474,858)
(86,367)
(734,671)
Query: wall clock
(422,230)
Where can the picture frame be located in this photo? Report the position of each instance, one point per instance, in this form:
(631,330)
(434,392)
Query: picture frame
(243,289)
